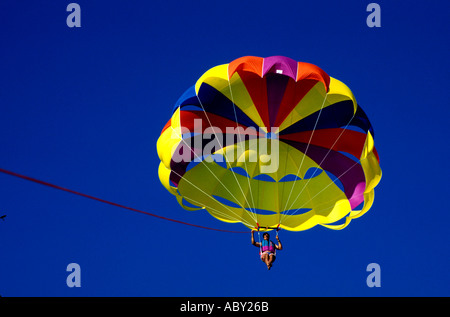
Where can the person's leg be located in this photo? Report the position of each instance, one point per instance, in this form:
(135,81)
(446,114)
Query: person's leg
(264,257)
(270,260)
(266,260)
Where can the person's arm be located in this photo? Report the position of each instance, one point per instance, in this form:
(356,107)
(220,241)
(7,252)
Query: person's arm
(256,244)
(278,246)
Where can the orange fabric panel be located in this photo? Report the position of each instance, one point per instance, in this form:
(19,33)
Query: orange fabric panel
(247,63)
(310,71)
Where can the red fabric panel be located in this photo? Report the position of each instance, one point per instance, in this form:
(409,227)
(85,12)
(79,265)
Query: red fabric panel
(187,121)
(257,89)
(350,141)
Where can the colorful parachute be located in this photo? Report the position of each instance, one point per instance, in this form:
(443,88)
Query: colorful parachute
(270,142)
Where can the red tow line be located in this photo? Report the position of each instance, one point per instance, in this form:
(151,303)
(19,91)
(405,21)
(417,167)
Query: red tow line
(109,202)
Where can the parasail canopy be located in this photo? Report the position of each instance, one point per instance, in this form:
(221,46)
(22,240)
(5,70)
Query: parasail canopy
(270,142)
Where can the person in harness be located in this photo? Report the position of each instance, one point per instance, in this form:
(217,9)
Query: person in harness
(267,248)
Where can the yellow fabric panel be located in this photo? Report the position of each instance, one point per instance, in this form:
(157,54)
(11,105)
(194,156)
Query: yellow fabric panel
(164,174)
(340,92)
(339,227)
(165,145)
(372,171)
(318,193)
(368,202)
(289,159)
(216,77)
(370,165)
(368,145)
(369,198)
(180,201)
(206,186)
(169,139)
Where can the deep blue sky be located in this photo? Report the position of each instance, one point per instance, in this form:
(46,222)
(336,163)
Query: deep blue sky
(83,108)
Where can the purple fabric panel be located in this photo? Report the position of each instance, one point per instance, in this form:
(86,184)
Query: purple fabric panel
(276,85)
(353,180)
(286,64)
(358,195)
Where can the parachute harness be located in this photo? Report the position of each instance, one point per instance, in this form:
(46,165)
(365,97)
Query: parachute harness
(277,228)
